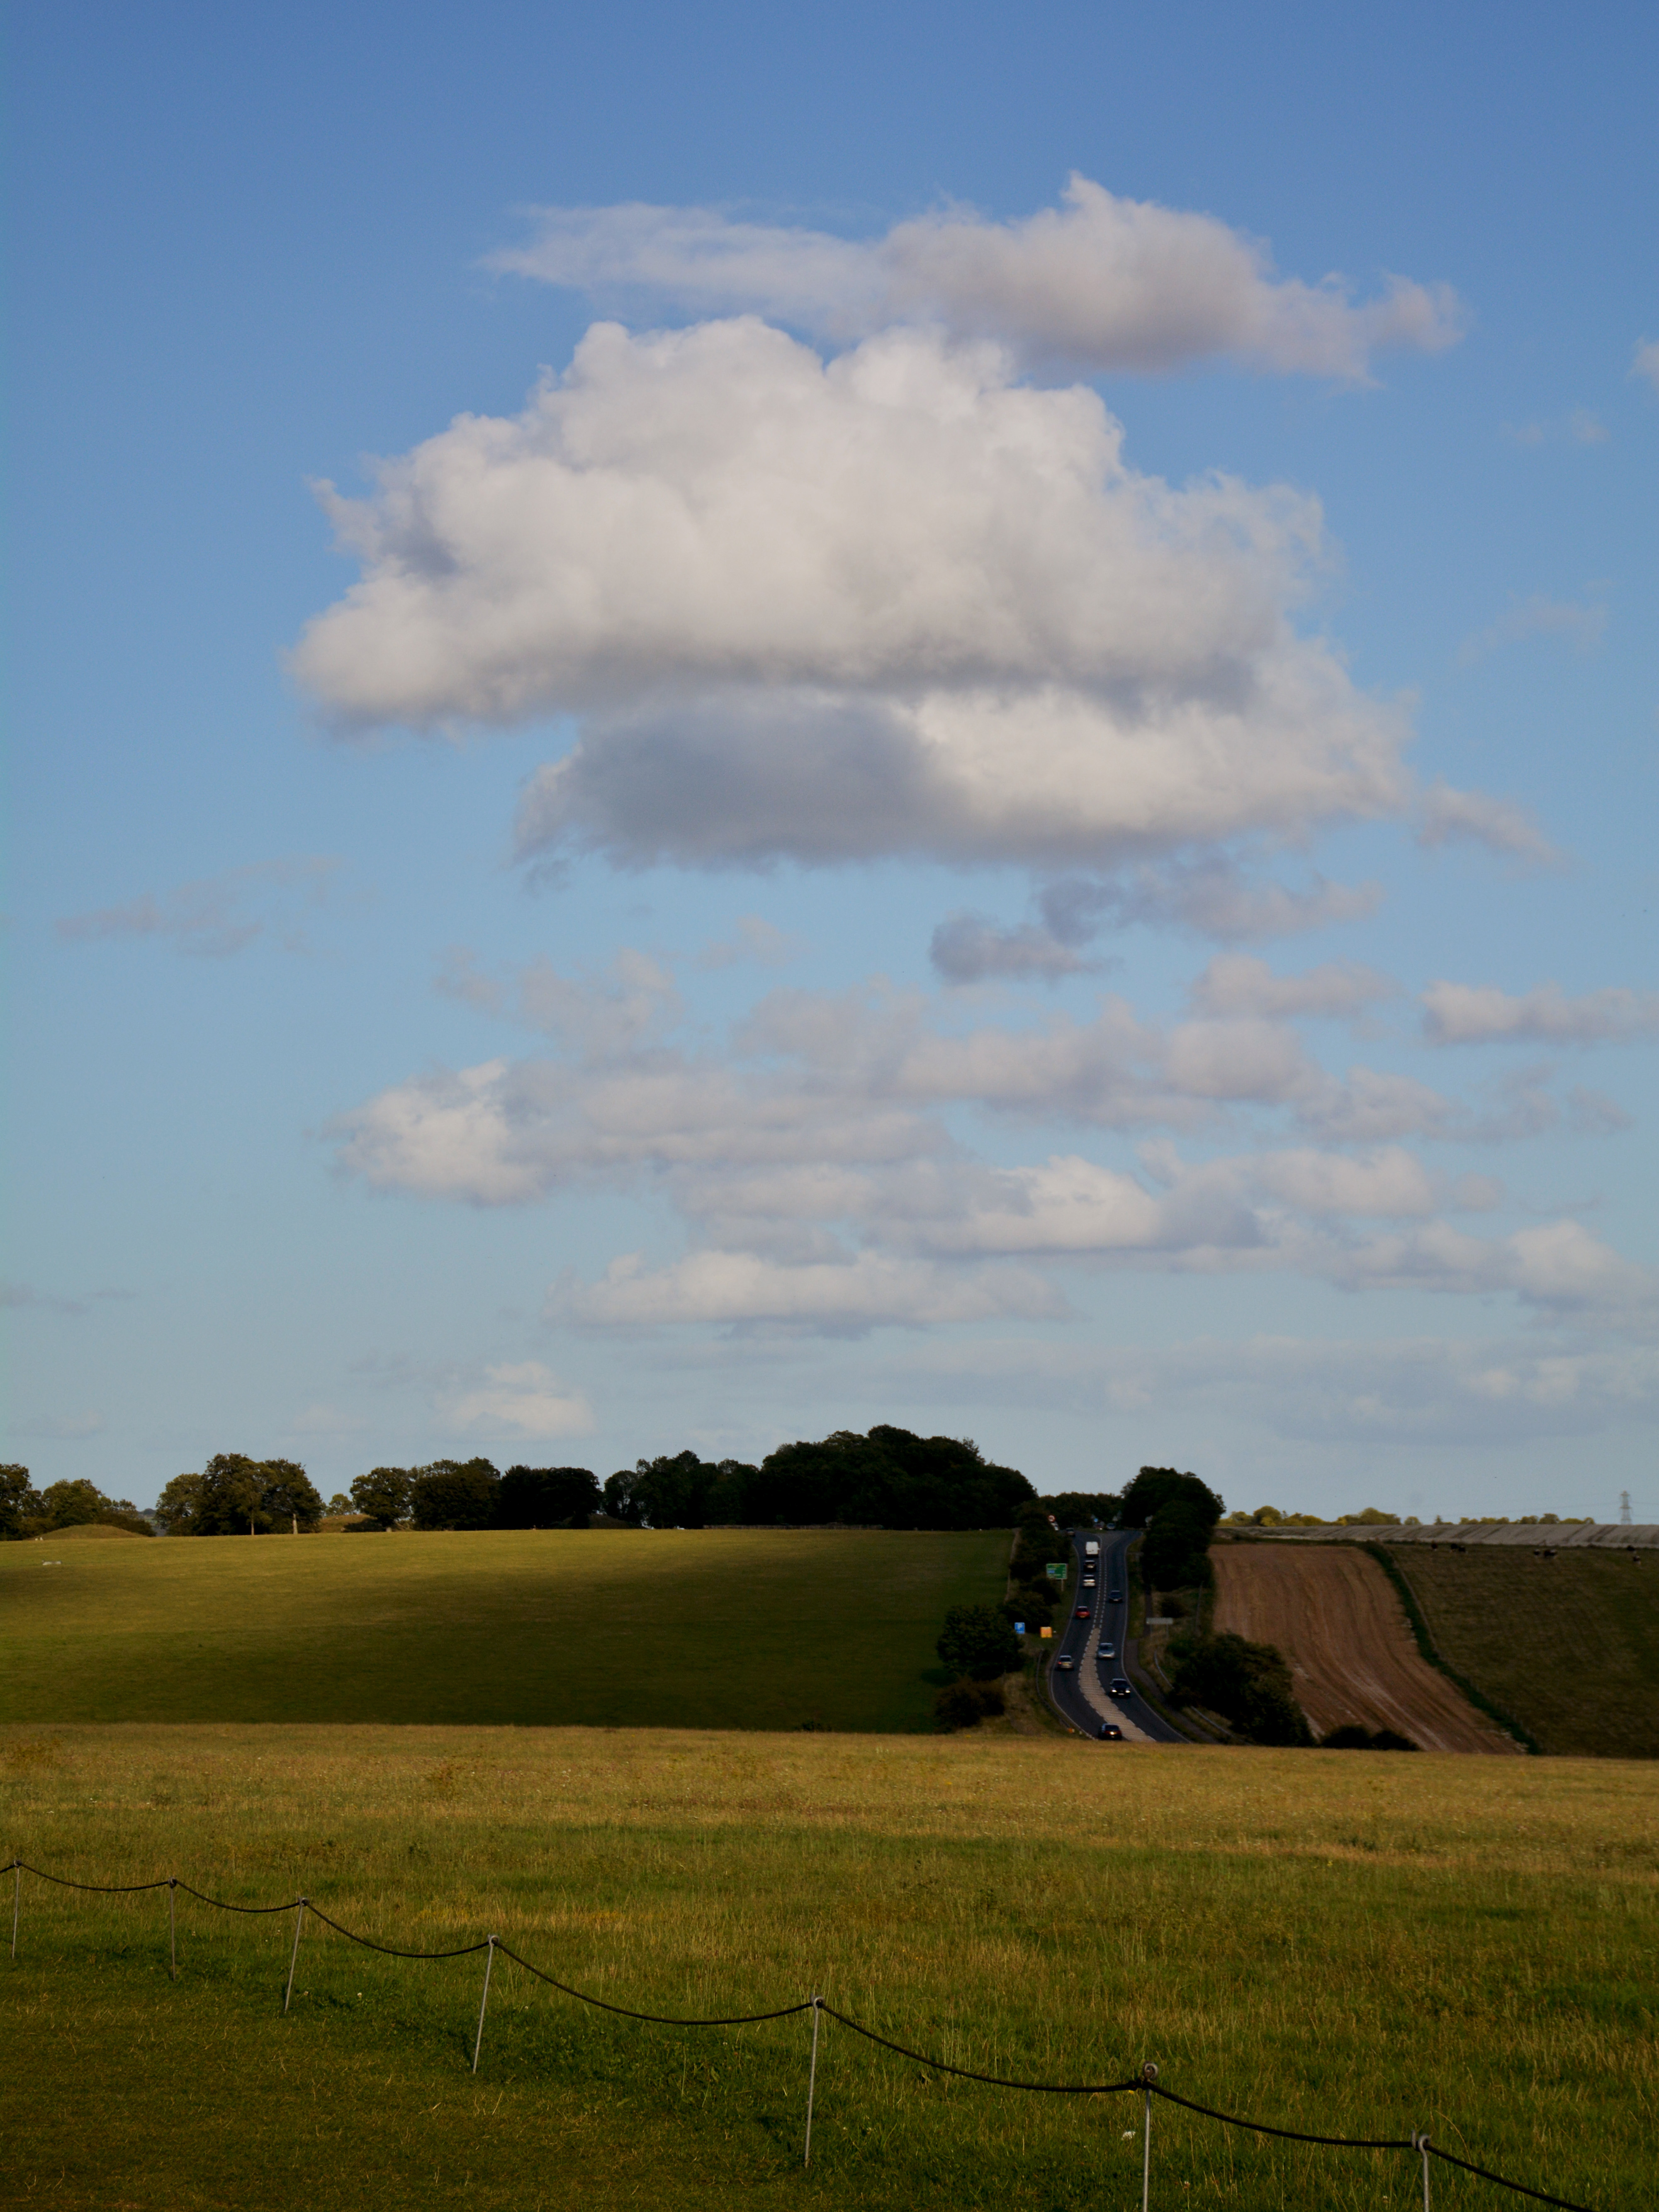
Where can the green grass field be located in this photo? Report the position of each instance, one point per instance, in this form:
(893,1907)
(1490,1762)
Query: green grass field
(709,1628)
(1343,1943)
(1569,1646)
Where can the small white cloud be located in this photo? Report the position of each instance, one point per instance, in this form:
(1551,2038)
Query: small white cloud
(1645,363)
(1468,1013)
(1448,816)
(1210,895)
(968,948)
(522,1401)
(1236,983)
(1100,282)
(1582,624)
(24,1296)
(847,1296)
(1559,1266)
(1580,425)
(323,1420)
(756,938)
(65,1427)
(218,914)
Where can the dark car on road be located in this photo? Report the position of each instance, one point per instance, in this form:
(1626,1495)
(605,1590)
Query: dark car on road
(1107,1651)
(1111,1730)
(1121,1686)
(1083,1613)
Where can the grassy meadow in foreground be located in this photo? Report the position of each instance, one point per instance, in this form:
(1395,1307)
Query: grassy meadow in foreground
(1347,1943)
(1569,1646)
(749,1628)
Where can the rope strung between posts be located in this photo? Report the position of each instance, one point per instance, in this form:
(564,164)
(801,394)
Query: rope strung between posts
(967,2073)
(1146,2082)
(656,2018)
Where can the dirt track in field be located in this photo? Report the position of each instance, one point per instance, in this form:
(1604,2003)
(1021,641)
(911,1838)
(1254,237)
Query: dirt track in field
(1334,1615)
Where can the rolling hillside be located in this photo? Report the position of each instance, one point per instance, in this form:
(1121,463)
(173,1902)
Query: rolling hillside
(1570,1645)
(704,1628)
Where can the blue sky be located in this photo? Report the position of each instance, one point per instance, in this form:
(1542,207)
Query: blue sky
(968,739)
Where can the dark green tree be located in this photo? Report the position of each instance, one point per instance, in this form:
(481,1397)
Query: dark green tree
(288,1496)
(18,1502)
(1156,1488)
(382,1495)
(978,1641)
(228,1501)
(176,1508)
(1248,1685)
(236,1496)
(548,1498)
(454,1493)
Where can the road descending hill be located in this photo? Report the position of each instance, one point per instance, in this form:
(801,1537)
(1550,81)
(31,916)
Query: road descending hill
(763,1628)
(1334,1615)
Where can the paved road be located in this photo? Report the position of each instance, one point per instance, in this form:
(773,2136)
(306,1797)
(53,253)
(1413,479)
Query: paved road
(1079,1691)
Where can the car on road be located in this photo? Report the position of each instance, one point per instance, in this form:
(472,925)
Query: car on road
(1111,1730)
(1066,1662)
(1088,1582)
(1121,1686)
(1113,1597)
(1107,1651)
(1083,1613)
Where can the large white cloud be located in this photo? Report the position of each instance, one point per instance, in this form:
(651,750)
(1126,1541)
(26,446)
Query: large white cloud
(896,602)
(1101,283)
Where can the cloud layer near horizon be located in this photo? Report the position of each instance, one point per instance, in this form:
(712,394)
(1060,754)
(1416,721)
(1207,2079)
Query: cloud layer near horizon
(820,1165)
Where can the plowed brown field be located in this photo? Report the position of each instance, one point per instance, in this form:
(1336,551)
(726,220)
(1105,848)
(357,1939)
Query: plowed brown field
(1333,1615)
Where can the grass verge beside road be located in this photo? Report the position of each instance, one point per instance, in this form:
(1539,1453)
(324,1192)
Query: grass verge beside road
(762,1628)
(1342,1944)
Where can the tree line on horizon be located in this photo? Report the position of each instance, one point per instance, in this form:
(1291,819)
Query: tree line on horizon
(888,1478)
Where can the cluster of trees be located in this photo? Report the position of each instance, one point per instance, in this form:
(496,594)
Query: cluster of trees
(453,1493)
(1179,1514)
(26,1512)
(978,1645)
(1269,1517)
(1037,1544)
(235,1496)
(886,1479)
(1248,1685)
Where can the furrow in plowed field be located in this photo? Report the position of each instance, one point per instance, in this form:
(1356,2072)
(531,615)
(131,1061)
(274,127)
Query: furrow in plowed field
(1334,1615)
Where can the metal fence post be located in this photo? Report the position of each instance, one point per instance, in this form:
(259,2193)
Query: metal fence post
(17,1900)
(478,2045)
(1421,2143)
(173,1927)
(811,2082)
(1148,2075)
(293,1956)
